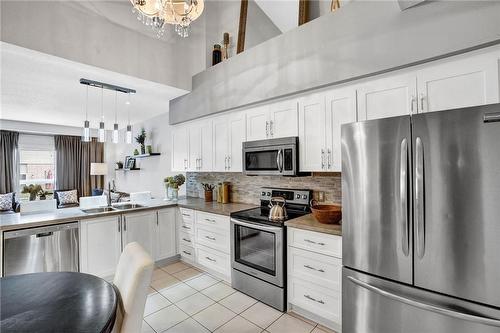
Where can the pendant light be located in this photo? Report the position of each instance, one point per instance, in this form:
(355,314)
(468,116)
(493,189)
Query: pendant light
(86,124)
(115,126)
(102,131)
(128,134)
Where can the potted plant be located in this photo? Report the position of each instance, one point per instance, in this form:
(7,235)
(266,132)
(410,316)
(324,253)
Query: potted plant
(174,182)
(119,165)
(33,191)
(141,139)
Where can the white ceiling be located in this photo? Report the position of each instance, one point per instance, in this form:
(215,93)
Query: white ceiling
(38,87)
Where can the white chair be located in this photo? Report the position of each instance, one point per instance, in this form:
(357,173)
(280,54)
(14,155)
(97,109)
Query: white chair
(142,198)
(92,202)
(38,206)
(132,279)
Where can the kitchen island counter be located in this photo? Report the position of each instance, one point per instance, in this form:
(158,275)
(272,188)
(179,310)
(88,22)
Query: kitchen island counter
(309,222)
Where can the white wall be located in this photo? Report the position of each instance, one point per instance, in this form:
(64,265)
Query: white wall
(153,169)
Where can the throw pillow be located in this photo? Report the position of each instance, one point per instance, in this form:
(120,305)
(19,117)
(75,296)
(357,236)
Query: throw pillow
(68,197)
(6,201)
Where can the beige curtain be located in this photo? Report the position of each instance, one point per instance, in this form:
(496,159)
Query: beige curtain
(8,168)
(73,158)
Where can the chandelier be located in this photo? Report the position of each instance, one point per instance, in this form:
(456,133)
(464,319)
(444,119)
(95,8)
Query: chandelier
(158,13)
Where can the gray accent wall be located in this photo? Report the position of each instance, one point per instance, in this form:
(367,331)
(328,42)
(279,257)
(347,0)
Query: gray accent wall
(362,39)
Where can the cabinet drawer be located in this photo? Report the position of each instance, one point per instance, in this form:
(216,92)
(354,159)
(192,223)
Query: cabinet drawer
(324,302)
(317,268)
(187,214)
(186,226)
(330,245)
(187,252)
(213,220)
(214,260)
(214,238)
(186,239)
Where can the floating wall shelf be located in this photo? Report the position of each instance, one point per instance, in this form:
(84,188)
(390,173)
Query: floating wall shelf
(145,155)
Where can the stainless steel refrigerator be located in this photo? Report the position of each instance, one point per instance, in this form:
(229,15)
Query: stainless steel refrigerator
(421,223)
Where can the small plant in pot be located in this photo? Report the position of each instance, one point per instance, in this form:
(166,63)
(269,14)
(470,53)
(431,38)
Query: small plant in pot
(174,182)
(33,191)
(141,139)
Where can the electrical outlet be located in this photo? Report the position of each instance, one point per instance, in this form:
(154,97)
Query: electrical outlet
(321,196)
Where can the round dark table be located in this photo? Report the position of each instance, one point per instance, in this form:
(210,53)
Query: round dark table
(62,302)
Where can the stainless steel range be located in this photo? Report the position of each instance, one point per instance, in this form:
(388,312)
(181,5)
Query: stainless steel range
(258,246)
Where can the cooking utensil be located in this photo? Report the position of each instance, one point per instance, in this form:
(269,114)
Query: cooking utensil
(277,212)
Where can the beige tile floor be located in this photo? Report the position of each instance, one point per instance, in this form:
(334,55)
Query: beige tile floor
(183,299)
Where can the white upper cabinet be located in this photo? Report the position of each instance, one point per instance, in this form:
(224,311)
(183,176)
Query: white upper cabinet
(458,83)
(220,143)
(180,148)
(277,120)
(200,145)
(257,123)
(312,132)
(387,97)
(194,133)
(340,109)
(165,233)
(236,137)
(140,228)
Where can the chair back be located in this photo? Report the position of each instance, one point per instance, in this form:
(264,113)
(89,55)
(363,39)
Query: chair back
(132,279)
(38,206)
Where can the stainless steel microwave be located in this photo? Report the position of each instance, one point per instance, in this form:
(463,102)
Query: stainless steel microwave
(271,157)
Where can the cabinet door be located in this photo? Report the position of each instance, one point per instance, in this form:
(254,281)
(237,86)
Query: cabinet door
(165,234)
(312,132)
(220,144)
(180,141)
(237,135)
(257,123)
(139,227)
(206,157)
(387,97)
(194,132)
(100,246)
(340,109)
(458,83)
(284,119)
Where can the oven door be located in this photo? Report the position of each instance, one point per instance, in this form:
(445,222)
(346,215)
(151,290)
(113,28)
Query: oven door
(257,250)
(270,160)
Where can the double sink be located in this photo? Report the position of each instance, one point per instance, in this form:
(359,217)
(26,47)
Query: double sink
(115,207)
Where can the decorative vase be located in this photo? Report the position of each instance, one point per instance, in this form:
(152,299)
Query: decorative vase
(32,196)
(143,149)
(136,152)
(167,192)
(149,149)
(174,194)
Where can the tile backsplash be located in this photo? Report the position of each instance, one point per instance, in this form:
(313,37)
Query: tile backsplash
(247,189)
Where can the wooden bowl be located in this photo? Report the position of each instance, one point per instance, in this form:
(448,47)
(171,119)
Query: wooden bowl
(327,214)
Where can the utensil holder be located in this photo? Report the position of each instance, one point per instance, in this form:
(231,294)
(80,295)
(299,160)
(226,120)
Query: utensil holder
(208,195)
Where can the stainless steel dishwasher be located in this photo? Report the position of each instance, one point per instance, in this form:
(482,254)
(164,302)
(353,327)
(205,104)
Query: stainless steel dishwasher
(46,249)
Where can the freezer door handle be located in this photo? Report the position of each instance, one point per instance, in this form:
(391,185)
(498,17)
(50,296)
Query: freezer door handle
(426,306)
(403,195)
(419,198)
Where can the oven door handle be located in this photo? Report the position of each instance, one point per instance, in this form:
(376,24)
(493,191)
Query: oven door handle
(256,226)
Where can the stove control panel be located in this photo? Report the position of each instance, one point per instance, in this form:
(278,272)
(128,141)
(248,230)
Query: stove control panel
(295,196)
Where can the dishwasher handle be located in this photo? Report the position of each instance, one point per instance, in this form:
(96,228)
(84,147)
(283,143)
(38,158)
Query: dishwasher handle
(40,232)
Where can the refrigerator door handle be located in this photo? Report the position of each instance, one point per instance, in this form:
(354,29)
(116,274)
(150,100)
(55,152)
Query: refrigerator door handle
(426,306)
(403,194)
(419,198)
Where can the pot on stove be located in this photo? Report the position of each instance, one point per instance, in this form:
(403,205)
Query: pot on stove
(277,211)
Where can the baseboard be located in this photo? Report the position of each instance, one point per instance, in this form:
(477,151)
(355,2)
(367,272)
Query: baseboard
(311,316)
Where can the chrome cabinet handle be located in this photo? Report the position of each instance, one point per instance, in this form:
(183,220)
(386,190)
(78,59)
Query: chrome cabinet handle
(271,128)
(313,299)
(412,103)
(124,224)
(313,242)
(314,269)
(426,306)
(211,238)
(186,252)
(184,214)
(267,128)
(201,163)
(419,198)
(186,240)
(210,220)
(157,218)
(119,225)
(208,258)
(229,162)
(185,163)
(329,159)
(322,159)
(422,97)
(225,163)
(186,227)
(403,195)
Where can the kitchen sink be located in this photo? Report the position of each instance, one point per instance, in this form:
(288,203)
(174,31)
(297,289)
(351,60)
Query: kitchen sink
(98,210)
(127,206)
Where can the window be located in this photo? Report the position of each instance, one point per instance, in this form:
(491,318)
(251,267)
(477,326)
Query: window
(37,165)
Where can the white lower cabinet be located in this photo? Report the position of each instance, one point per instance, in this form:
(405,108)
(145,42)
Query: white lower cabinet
(185,235)
(165,234)
(140,228)
(315,276)
(100,245)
